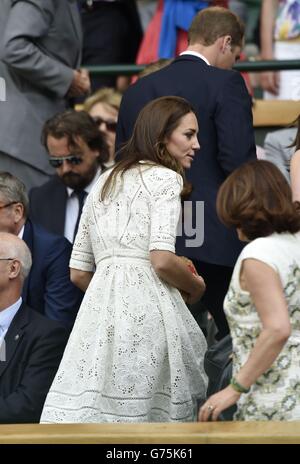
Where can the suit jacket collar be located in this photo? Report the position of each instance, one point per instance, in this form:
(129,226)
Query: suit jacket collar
(59,197)
(14,335)
(190,57)
(197,55)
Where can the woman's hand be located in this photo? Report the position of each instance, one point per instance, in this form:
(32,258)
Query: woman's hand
(196,295)
(217,403)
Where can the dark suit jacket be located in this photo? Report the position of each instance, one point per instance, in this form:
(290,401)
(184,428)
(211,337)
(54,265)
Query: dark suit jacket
(33,346)
(48,205)
(226,136)
(48,288)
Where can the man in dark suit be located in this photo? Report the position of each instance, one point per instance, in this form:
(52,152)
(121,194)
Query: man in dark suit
(226,138)
(31,346)
(77,150)
(48,288)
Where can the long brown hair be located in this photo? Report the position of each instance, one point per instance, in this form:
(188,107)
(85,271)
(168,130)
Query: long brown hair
(156,122)
(257,198)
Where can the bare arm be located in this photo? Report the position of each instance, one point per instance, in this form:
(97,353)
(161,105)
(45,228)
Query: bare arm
(81,278)
(266,291)
(175,272)
(295,176)
(269,79)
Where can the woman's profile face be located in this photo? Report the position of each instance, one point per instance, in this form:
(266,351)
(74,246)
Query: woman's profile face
(183,142)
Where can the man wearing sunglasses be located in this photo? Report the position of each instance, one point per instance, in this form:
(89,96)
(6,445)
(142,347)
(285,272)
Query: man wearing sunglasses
(77,151)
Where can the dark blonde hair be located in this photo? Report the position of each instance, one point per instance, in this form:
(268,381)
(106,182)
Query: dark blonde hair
(156,122)
(214,22)
(257,198)
(107,95)
(154,66)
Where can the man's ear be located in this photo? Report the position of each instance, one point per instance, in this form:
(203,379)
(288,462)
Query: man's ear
(226,43)
(14,269)
(18,212)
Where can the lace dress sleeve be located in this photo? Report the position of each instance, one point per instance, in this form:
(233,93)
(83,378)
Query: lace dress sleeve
(165,211)
(82,257)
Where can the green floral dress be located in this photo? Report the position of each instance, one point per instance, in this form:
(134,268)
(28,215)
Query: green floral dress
(276,393)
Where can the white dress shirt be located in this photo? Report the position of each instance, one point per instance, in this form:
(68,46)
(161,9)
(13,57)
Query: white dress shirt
(187,52)
(6,316)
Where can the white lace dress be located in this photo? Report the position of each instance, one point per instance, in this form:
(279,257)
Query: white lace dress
(135,353)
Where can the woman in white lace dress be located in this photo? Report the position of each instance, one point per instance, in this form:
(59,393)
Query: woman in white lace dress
(262,305)
(135,353)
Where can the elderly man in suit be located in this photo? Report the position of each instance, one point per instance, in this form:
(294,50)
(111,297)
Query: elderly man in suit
(226,138)
(40,51)
(77,150)
(31,346)
(278,149)
(48,288)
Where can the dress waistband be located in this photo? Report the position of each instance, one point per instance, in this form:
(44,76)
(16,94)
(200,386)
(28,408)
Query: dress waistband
(119,253)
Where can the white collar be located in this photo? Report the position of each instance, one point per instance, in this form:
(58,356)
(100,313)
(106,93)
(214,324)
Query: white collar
(21,233)
(198,55)
(7,315)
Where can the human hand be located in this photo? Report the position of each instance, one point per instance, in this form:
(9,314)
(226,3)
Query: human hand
(81,84)
(217,403)
(269,81)
(189,264)
(196,295)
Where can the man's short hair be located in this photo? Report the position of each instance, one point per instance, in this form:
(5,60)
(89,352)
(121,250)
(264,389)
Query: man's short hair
(72,124)
(214,22)
(12,189)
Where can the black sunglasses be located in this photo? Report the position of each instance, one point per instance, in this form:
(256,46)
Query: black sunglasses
(110,125)
(57,162)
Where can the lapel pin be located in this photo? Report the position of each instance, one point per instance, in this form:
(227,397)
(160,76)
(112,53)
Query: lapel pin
(17,337)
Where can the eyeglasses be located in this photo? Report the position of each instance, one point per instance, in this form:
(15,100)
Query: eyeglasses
(57,162)
(110,125)
(9,204)
(7,259)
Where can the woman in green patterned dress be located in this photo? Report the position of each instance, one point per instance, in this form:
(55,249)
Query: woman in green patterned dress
(263,301)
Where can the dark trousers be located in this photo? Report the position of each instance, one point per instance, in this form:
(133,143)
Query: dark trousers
(217,279)
(105,39)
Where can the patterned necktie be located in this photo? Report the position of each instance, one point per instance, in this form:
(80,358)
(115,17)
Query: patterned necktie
(81,195)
